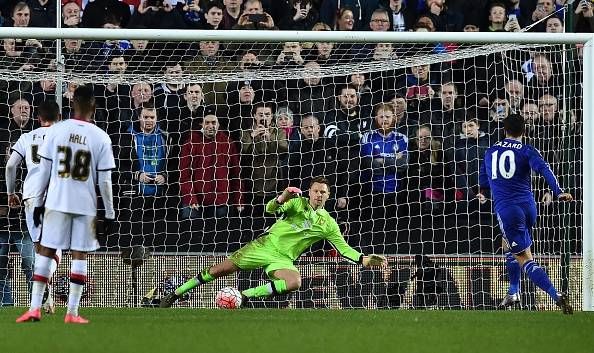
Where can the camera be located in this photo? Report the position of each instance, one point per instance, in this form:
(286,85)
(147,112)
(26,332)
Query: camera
(257,17)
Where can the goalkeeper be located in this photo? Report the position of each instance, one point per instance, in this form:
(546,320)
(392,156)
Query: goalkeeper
(303,223)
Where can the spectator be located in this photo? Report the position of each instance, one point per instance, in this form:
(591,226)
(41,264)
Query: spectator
(241,99)
(308,95)
(21,15)
(531,114)
(261,148)
(213,15)
(141,180)
(419,89)
(284,120)
(470,147)
(157,17)
(349,121)
(210,173)
(585,17)
(360,12)
(430,181)
(444,18)
(313,155)
(446,112)
(471,26)
(43,90)
(385,151)
(74,58)
(518,8)
(290,56)
(515,94)
(364,91)
(301,17)
(254,17)
(231,13)
(96,12)
(186,116)
(14,56)
(123,109)
(169,94)
(12,226)
(210,60)
(540,77)
(404,123)
(140,50)
(380,20)
(383,52)
(402,14)
(71,14)
(549,110)
(385,157)
(324,53)
(554,24)
(43,13)
(544,8)
(498,111)
(345,20)
(498,19)
(425,21)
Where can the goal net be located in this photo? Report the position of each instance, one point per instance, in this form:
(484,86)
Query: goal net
(399,130)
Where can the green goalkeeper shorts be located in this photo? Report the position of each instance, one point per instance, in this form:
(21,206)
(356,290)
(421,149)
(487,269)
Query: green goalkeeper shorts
(258,253)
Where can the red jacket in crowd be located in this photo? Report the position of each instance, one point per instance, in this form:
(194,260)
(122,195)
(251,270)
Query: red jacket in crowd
(209,171)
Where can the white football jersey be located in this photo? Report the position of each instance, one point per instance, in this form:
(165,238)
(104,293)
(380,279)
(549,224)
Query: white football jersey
(77,150)
(27,146)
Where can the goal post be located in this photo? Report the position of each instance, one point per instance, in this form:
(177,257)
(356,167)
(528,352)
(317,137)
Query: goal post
(412,49)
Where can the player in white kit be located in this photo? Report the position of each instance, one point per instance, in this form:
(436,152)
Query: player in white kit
(26,149)
(76,155)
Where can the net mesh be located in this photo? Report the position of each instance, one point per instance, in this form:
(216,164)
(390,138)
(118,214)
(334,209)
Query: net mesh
(316,106)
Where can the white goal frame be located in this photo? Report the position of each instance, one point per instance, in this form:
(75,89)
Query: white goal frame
(387,37)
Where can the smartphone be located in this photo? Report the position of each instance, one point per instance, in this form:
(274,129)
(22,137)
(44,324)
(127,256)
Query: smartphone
(257,17)
(303,4)
(154,3)
(512,17)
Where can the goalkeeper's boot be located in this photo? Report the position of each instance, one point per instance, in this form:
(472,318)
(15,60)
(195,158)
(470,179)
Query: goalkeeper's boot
(244,301)
(564,304)
(168,300)
(75,319)
(509,300)
(48,306)
(30,316)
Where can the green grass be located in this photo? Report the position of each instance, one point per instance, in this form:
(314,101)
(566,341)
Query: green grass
(279,331)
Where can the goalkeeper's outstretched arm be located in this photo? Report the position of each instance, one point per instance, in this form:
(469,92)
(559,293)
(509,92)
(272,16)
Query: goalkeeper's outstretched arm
(334,236)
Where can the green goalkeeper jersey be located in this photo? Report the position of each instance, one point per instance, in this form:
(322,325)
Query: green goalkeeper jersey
(301,226)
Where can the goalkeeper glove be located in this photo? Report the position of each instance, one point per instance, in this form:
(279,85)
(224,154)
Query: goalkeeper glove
(373,260)
(38,215)
(288,194)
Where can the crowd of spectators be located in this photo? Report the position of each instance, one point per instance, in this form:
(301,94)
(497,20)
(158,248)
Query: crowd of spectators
(197,161)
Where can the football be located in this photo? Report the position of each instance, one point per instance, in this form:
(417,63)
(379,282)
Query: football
(228,298)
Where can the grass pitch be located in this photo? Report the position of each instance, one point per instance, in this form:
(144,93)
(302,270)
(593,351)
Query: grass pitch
(279,331)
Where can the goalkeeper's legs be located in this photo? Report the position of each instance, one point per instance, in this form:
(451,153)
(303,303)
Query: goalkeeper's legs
(209,274)
(286,281)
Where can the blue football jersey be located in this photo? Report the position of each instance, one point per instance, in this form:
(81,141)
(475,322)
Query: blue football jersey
(506,170)
(375,145)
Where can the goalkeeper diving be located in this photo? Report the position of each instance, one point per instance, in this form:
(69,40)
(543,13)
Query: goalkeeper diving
(303,222)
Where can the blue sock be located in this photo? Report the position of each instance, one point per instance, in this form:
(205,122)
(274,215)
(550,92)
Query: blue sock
(514,271)
(538,275)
